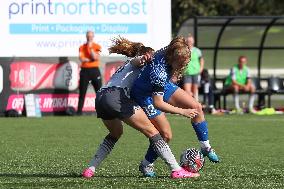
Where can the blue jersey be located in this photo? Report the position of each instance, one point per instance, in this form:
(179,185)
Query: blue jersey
(153,77)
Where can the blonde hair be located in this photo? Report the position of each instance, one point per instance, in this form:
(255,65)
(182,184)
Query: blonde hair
(121,45)
(178,52)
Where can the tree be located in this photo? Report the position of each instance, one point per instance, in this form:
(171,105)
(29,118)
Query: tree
(183,9)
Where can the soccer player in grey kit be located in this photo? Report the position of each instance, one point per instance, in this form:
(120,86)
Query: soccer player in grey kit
(114,105)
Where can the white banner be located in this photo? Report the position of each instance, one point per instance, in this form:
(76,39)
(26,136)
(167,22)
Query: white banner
(32,105)
(57,27)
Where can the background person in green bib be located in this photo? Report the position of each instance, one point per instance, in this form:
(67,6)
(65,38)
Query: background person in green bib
(239,81)
(192,72)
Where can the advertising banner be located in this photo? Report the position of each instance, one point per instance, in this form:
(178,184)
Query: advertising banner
(53,102)
(110,69)
(56,84)
(41,39)
(43,28)
(32,105)
(29,76)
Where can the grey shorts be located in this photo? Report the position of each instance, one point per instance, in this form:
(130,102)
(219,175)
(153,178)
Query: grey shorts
(193,79)
(113,102)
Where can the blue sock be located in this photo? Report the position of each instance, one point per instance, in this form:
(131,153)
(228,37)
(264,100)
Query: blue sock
(151,155)
(201,130)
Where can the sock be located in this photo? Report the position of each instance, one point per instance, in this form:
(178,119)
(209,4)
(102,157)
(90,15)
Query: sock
(150,157)
(104,149)
(251,101)
(201,130)
(211,106)
(164,151)
(145,162)
(92,168)
(205,144)
(237,101)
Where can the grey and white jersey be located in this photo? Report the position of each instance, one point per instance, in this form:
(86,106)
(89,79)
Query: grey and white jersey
(124,76)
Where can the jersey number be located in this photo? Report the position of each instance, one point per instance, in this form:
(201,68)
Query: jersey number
(150,110)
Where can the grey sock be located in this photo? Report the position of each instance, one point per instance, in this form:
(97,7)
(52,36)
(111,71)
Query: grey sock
(104,149)
(164,151)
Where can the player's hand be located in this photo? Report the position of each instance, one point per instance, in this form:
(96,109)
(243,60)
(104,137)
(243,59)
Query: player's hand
(146,58)
(174,79)
(189,113)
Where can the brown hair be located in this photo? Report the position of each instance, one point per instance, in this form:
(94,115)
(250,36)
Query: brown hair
(178,52)
(121,45)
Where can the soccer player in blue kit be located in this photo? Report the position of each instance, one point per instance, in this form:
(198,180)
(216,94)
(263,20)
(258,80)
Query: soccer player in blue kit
(160,95)
(114,105)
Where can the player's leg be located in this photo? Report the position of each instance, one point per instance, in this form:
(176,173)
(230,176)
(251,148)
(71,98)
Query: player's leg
(114,102)
(83,85)
(163,126)
(161,123)
(107,103)
(180,98)
(115,131)
(140,122)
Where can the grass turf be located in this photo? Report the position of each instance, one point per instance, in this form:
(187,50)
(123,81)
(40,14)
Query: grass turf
(52,152)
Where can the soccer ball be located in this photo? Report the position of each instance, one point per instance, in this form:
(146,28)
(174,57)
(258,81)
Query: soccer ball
(192,160)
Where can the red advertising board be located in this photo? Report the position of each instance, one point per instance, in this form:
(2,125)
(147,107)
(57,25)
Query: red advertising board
(56,84)
(110,68)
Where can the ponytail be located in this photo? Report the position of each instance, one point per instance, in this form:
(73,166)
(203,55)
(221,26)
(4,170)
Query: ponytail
(123,46)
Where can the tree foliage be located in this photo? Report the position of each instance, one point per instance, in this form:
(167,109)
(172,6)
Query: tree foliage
(183,9)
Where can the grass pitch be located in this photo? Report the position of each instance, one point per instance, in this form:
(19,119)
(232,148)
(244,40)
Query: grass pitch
(52,152)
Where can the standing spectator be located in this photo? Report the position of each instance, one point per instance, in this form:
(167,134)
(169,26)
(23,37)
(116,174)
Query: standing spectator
(193,69)
(89,55)
(239,81)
